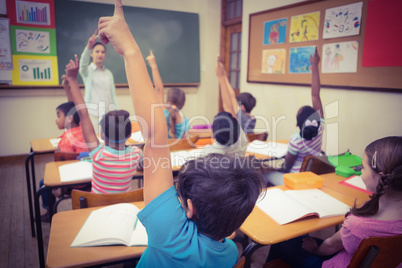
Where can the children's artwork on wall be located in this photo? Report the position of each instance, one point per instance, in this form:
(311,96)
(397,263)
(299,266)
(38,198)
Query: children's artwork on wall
(27,40)
(5,47)
(343,21)
(35,70)
(340,57)
(275,31)
(299,59)
(304,27)
(273,61)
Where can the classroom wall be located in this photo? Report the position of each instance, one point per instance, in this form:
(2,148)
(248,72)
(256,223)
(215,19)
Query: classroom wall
(30,114)
(354,118)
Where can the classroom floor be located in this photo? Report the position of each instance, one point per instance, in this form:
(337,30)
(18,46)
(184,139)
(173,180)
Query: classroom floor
(17,247)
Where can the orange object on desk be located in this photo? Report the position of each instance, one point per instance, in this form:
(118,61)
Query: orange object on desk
(303,180)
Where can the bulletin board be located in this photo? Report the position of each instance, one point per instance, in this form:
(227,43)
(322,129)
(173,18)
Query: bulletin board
(281,41)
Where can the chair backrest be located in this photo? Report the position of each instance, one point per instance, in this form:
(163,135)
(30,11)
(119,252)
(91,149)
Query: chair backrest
(317,165)
(82,199)
(182,144)
(240,263)
(257,136)
(378,252)
(64,156)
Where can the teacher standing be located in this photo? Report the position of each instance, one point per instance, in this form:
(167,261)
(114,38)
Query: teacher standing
(100,90)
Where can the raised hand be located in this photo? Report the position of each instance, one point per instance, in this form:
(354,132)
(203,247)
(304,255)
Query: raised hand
(315,59)
(64,80)
(151,59)
(220,68)
(92,40)
(72,68)
(115,30)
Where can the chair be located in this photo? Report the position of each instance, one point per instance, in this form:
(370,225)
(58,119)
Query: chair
(182,144)
(319,165)
(378,252)
(240,263)
(82,199)
(64,156)
(257,136)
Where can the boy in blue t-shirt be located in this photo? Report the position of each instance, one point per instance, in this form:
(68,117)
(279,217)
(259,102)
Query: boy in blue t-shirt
(215,194)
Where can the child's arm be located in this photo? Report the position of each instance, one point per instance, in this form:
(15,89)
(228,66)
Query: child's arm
(328,247)
(229,101)
(66,87)
(315,84)
(87,128)
(157,167)
(156,76)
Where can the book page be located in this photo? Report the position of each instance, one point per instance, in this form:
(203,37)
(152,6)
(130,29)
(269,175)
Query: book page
(81,170)
(268,148)
(108,226)
(282,208)
(139,236)
(320,202)
(355,181)
(178,158)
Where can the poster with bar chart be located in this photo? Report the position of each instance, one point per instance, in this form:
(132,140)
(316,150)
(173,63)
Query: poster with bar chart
(33,70)
(36,13)
(33,13)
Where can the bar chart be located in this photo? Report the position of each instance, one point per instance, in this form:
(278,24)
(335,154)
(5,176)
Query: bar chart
(35,70)
(33,13)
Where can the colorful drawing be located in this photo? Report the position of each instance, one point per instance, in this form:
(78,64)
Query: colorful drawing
(340,57)
(343,21)
(5,46)
(35,70)
(275,31)
(33,41)
(304,27)
(273,61)
(299,59)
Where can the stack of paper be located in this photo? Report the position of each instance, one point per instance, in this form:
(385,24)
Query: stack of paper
(271,149)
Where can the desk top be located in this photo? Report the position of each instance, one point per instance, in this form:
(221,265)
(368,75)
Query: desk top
(42,146)
(65,226)
(52,175)
(264,230)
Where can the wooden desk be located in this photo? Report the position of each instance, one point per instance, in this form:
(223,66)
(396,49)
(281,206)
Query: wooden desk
(65,227)
(38,146)
(52,180)
(263,230)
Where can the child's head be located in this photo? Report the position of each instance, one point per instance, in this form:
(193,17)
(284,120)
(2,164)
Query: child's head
(308,120)
(223,192)
(67,116)
(116,126)
(98,53)
(176,98)
(382,172)
(247,100)
(226,129)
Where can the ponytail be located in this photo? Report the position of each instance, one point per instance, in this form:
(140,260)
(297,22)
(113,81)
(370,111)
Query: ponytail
(172,121)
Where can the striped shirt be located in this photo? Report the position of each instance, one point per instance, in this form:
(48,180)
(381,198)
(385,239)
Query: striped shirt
(302,147)
(112,169)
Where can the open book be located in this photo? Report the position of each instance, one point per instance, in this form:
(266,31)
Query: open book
(287,206)
(272,149)
(112,225)
(77,171)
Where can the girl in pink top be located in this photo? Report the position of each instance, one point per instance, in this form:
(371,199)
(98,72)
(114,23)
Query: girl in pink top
(380,216)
